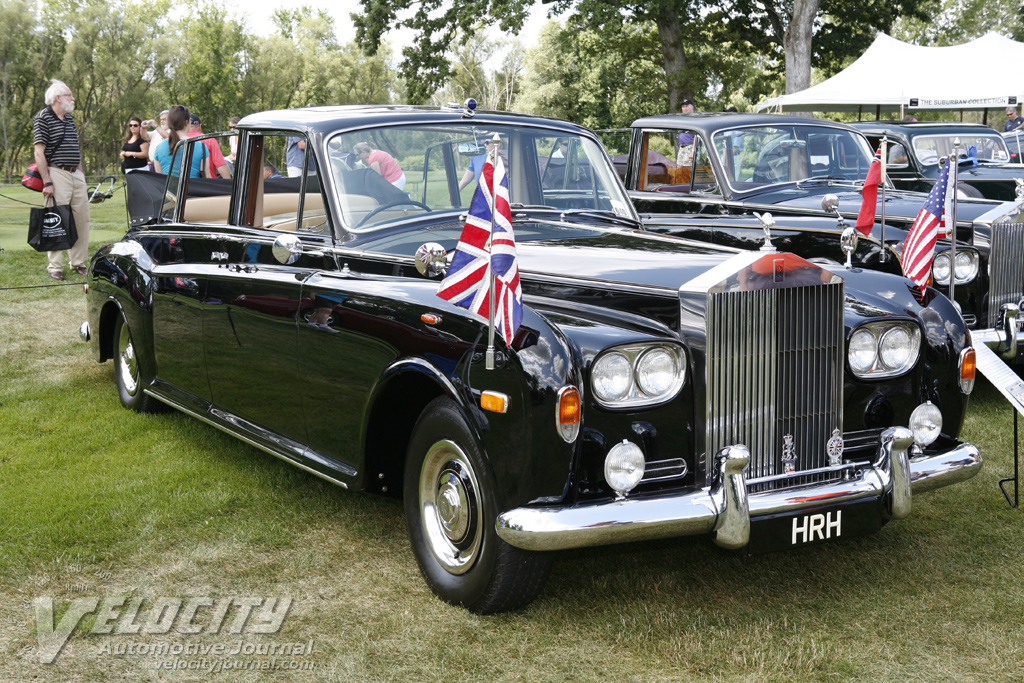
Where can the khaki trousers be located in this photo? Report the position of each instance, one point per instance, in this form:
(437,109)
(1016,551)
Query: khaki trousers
(69,188)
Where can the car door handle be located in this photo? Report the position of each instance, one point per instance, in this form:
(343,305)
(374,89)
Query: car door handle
(239,268)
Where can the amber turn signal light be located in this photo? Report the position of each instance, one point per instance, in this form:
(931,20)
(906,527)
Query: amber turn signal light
(968,369)
(494,401)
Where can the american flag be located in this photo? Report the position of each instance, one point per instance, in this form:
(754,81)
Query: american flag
(866,217)
(920,245)
(479,253)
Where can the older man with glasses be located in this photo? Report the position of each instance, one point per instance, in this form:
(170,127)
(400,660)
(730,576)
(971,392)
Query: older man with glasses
(59,160)
(1013,120)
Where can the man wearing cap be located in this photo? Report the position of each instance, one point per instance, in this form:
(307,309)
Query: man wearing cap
(685,154)
(1013,120)
(59,160)
(217,160)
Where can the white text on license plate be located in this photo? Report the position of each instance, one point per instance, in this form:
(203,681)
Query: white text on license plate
(817,527)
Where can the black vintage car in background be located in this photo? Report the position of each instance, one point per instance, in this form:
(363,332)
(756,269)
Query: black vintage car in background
(657,387)
(707,176)
(985,169)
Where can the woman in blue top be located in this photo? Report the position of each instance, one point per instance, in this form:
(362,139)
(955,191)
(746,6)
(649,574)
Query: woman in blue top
(178,121)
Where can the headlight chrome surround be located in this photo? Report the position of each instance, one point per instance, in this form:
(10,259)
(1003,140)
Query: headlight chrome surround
(895,350)
(653,373)
(968,264)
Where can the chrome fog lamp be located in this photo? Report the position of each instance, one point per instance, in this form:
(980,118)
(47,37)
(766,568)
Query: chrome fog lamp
(863,351)
(966,265)
(941,268)
(656,372)
(895,348)
(612,377)
(624,467)
(926,423)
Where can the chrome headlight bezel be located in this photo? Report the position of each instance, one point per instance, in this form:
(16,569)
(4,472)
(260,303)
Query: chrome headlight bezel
(883,363)
(967,266)
(649,381)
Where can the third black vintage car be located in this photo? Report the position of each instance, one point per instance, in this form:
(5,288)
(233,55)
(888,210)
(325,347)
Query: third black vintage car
(656,387)
(708,177)
(914,150)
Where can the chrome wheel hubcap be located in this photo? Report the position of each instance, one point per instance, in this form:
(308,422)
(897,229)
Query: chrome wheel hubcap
(127,365)
(450,507)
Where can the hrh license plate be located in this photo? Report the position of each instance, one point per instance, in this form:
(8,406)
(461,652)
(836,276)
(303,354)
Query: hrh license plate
(779,532)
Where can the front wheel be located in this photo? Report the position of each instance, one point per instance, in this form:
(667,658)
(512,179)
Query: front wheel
(126,372)
(450,508)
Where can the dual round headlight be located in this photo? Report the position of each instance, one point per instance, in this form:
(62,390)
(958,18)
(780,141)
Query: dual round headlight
(638,374)
(966,264)
(884,349)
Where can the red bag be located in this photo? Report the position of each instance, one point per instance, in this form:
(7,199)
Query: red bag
(32,180)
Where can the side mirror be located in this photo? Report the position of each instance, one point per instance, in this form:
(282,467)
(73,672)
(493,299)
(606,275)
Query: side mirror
(431,260)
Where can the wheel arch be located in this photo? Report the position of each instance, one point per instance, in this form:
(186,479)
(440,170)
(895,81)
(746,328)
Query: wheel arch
(399,397)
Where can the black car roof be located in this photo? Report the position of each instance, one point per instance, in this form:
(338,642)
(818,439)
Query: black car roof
(709,122)
(912,128)
(329,119)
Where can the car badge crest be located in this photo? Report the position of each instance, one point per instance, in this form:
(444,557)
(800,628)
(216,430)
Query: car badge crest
(834,448)
(788,454)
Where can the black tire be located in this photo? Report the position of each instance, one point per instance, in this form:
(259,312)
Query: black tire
(963,190)
(461,556)
(126,372)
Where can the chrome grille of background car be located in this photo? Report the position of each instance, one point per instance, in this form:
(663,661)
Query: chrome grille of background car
(775,368)
(1006,274)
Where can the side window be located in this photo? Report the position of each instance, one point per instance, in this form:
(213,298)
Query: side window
(897,156)
(668,164)
(289,201)
(191,174)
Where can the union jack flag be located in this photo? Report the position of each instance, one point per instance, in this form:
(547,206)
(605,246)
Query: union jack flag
(866,216)
(480,253)
(920,245)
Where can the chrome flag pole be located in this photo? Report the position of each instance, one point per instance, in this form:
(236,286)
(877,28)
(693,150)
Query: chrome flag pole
(950,206)
(883,154)
(489,356)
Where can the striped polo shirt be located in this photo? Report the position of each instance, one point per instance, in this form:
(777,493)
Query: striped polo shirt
(48,129)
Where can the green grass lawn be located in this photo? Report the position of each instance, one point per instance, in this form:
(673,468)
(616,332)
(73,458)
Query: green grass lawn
(96,501)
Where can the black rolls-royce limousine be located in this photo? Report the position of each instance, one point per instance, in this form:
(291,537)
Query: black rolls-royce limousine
(656,387)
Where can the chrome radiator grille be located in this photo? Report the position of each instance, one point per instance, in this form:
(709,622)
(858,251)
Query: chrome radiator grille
(1006,268)
(775,368)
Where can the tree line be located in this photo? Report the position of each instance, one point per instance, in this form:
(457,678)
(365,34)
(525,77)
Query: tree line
(607,63)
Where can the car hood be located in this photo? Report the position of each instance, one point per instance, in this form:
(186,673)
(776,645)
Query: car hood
(898,204)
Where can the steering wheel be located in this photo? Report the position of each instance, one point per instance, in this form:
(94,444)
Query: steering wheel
(384,207)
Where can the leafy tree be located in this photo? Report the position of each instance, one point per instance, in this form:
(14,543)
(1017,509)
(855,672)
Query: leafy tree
(952,22)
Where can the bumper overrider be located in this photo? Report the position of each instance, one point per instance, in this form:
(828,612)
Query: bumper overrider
(725,509)
(1007,337)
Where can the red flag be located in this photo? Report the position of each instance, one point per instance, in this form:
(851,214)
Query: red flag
(866,217)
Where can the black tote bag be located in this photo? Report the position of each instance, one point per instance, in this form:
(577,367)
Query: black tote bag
(52,228)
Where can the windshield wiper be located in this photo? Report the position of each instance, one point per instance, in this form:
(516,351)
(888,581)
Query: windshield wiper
(825,178)
(599,213)
(532,206)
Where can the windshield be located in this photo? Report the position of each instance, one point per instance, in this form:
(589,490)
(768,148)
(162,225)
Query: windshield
(930,148)
(765,155)
(389,174)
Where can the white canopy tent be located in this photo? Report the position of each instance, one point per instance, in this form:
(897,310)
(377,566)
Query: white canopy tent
(892,75)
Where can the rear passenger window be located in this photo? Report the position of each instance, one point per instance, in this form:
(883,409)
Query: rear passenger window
(283,192)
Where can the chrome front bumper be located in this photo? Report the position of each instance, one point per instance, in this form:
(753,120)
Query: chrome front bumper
(725,508)
(1005,339)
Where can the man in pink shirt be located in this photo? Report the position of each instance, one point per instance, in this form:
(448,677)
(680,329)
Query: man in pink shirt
(381,162)
(217,160)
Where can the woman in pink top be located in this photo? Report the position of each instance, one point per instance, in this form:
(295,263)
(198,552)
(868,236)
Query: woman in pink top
(381,162)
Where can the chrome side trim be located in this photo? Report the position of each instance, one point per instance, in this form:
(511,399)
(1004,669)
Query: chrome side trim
(719,508)
(241,436)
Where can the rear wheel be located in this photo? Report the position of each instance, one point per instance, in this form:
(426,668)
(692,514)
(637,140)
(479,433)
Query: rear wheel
(965,191)
(126,372)
(451,506)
